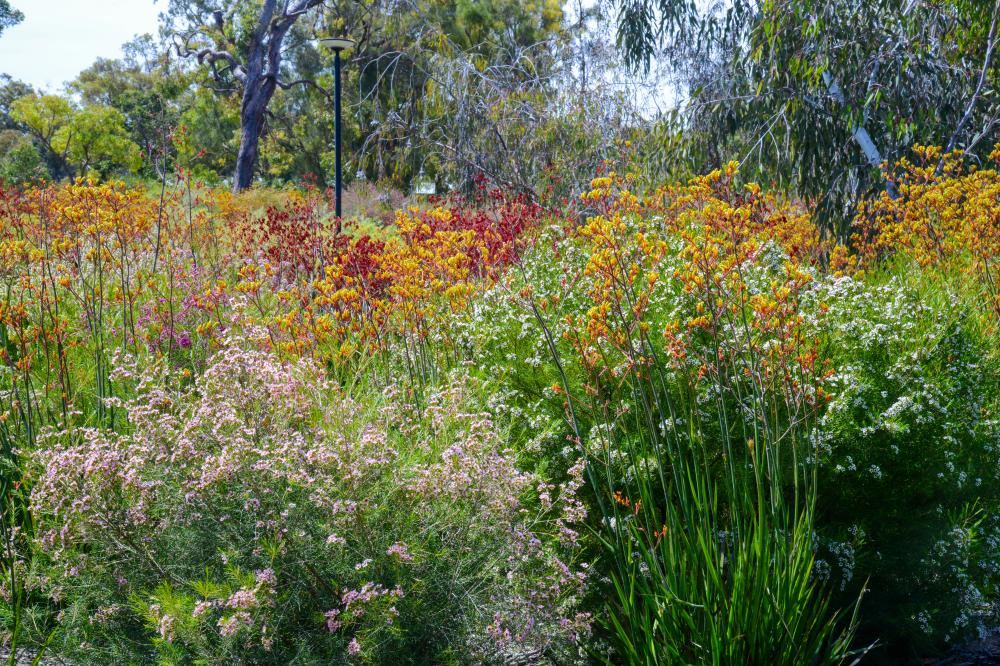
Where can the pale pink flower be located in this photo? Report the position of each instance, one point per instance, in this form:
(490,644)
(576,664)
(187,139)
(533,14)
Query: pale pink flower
(399,549)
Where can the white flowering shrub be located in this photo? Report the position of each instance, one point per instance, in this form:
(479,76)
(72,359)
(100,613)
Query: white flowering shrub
(910,464)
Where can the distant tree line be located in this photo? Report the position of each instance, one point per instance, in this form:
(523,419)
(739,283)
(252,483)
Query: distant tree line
(241,92)
(810,96)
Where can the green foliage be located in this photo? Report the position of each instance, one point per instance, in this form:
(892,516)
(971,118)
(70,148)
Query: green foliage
(793,88)
(700,598)
(95,138)
(403,96)
(9,16)
(20,161)
(910,472)
(453,88)
(91,138)
(208,138)
(10,90)
(42,115)
(149,92)
(397,120)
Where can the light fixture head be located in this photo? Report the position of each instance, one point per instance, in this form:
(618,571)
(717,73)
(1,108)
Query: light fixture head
(337,43)
(422,185)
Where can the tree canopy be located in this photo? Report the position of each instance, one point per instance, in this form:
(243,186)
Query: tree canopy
(818,93)
(9,16)
(93,137)
(809,96)
(453,89)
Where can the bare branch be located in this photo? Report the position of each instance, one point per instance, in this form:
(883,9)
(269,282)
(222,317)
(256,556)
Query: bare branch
(991,42)
(303,82)
(210,56)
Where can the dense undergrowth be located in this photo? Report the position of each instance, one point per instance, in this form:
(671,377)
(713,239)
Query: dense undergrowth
(655,425)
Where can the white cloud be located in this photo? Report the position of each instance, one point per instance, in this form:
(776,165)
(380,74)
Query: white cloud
(59,38)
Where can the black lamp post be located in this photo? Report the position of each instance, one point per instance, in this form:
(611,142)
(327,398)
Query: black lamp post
(338,44)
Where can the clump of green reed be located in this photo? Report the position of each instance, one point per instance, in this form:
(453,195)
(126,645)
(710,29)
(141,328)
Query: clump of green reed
(16,531)
(694,397)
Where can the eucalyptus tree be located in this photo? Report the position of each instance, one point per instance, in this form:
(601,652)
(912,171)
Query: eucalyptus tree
(818,94)
(540,115)
(146,86)
(462,91)
(244,45)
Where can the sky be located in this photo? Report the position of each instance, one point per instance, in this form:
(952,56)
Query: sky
(59,38)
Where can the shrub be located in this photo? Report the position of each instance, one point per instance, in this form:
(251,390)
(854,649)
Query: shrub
(769,424)
(20,161)
(261,513)
(673,328)
(910,465)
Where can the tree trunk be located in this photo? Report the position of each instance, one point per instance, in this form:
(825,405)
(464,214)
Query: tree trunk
(259,75)
(859,133)
(260,80)
(258,87)
(251,123)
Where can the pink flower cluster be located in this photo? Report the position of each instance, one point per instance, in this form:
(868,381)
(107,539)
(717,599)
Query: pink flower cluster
(268,462)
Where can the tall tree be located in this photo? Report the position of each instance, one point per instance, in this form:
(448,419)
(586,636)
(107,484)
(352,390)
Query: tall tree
(395,78)
(145,86)
(817,94)
(442,80)
(93,138)
(243,43)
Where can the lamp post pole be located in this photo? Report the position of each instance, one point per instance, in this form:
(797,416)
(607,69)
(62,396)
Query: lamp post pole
(338,44)
(340,173)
